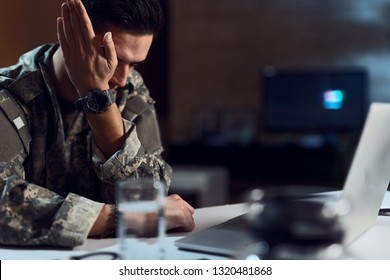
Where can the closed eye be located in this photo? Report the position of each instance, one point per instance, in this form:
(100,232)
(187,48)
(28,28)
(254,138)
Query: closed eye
(136,64)
(131,64)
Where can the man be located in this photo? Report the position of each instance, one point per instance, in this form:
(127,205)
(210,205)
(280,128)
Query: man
(76,118)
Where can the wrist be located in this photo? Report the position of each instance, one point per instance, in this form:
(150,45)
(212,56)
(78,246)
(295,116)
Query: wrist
(105,224)
(96,101)
(83,91)
(112,219)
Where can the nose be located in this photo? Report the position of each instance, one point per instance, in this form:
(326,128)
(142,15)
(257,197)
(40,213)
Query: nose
(119,79)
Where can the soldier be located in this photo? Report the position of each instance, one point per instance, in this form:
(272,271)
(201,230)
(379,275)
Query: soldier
(75,119)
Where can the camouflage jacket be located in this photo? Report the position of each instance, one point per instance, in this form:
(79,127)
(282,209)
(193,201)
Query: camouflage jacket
(54,180)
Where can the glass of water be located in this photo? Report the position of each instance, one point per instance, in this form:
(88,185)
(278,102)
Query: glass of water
(141,222)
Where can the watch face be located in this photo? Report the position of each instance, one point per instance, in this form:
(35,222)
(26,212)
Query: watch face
(98,102)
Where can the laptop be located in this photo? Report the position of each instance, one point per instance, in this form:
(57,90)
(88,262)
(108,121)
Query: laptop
(364,188)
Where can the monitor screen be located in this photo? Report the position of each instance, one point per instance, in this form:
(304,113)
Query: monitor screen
(319,100)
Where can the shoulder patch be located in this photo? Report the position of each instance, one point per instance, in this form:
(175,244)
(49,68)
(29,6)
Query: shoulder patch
(14,128)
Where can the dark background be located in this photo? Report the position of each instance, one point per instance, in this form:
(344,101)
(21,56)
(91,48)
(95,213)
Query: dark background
(204,70)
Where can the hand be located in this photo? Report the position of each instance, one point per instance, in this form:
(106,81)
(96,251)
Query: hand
(178,214)
(90,60)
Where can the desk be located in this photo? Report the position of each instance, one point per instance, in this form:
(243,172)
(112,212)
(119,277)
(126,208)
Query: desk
(204,218)
(373,244)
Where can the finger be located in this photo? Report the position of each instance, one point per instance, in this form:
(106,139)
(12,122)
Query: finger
(109,50)
(61,36)
(186,220)
(180,222)
(84,21)
(188,225)
(189,207)
(185,203)
(66,23)
(76,25)
(178,215)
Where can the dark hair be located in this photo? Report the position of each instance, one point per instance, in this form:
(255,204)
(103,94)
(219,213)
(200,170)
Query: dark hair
(139,17)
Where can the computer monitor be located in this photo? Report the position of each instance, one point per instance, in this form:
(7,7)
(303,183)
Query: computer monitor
(314,100)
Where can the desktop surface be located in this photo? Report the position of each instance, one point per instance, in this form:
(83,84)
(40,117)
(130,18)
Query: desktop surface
(372,245)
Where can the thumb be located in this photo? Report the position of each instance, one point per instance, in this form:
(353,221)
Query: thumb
(109,50)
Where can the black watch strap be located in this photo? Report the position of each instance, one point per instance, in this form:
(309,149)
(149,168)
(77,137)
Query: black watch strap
(96,101)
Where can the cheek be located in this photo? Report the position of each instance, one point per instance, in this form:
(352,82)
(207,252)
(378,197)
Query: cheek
(120,76)
(122,70)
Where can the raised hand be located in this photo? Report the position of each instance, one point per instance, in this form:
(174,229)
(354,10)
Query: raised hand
(90,59)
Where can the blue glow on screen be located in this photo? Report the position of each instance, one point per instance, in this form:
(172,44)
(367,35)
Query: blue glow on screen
(333,99)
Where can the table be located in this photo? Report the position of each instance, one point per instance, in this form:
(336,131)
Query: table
(203,219)
(373,244)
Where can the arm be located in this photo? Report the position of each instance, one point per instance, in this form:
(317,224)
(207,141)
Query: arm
(33,215)
(116,139)
(105,222)
(90,67)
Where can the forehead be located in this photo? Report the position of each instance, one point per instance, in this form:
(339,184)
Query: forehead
(130,47)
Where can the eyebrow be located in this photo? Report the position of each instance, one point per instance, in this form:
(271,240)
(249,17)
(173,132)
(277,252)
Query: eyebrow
(132,63)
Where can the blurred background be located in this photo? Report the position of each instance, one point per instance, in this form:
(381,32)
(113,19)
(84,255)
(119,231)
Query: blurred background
(230,78)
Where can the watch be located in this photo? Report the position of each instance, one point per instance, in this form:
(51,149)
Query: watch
(96,101)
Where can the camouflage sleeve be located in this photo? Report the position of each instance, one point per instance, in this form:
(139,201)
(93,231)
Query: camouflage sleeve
(141,153)
(32,215)
(108,168)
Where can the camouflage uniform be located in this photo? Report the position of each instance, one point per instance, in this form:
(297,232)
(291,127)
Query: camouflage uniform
(54,180)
